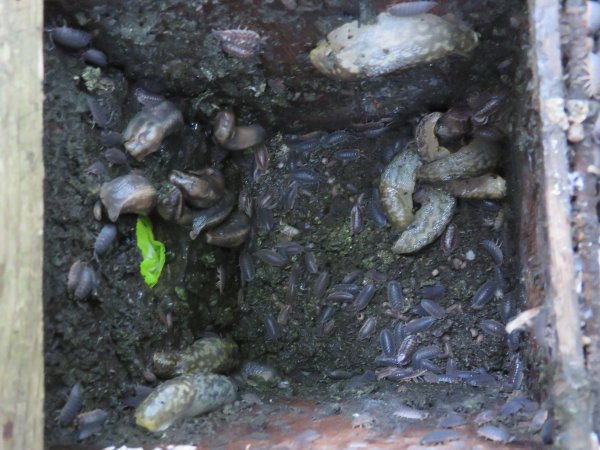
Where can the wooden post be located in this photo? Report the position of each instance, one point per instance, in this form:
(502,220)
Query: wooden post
(21,225)
(569,385)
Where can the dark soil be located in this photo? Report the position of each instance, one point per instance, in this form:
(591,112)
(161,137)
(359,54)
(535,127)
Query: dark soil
(106,342)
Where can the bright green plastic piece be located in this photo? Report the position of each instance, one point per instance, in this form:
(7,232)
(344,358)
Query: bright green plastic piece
(153,251)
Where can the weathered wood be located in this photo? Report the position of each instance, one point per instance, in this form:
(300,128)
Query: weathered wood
(568,382)
(21,225)
(585,217)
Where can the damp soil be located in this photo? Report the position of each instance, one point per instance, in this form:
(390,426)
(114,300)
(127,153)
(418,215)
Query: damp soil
(106,342)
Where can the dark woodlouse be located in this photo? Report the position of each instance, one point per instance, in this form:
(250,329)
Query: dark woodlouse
(310,261)
(406,349)
(258,372)
(291,195)
(348,154)
(267,200)
(265,219)
(72,406)
(516,371)
(272,328)
(449,238)
(375,210)
(347,287)
(395,296)
(352,276)
(111,138)
(320,284)
(246,202)
(376,275)
(367,328)
(364,297)
(433,308)
(327,314)
(292,286)
(484,294)
(356,220)
(439,437)
(386,340)
(105,239)
(434,292)
(95,57)
(115,156)
(419,325)
(271,257)
(81,280)
(493,328)
(239,43)
(100,116)
(494,251)
(97,169)
(284,314)
(340,296)
(335,138)
(306,176)
(247,269)
(328,327)
(399,333)
(423,353)
(290,248)
(70,37)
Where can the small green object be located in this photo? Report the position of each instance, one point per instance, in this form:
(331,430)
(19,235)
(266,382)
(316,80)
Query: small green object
(153,251)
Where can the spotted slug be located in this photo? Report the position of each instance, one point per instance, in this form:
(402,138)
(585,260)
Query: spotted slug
(210,354)
(429,223)
(185,396)
(358,51)
(397,185)
(476,158)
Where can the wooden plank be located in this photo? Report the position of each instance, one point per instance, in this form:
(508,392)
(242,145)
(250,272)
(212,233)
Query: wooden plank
(586,154)
(21,225)
(567,373)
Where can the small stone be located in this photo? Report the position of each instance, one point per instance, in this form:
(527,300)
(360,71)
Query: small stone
(576,133)
(470,255)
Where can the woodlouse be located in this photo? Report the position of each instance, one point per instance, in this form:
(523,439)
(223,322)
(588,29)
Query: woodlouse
(272,328)
(271,257)
(367,328)
(290,249)
(451,420)
(493,433)
(419,325)
(449,238)
(284,314)
(352,276)
(395,296)
(433,308)
(327,314)
(72,406)
(434,291)
(265,219)
(292,287)
(356,220)
(239,43)
(484,294)
(348,154)
(261,157)
(267,200)
(310,261)
(406,412)
(81,280)
(347,287)
(493,328)
(95,57)
(306,176)
(247,269)
(340,296)
(100,116)
(386,340)
(406,348)
(105,239)
(147,98)
(516,374)
(493,250)
(115,156)
(320,284)
(439,437)
(423,353)
(364,297)
(335,138)
(375,210)
(70,37)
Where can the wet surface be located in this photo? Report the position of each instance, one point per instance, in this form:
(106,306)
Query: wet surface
(106,341)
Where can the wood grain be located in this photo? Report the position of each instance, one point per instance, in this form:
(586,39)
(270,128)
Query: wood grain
(21,225)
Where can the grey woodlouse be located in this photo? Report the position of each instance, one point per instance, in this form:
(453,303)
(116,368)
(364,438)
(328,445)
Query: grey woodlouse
(484,294)
(411,8)
(105,239)
(81,280)
(433,308)
(95,57)
(423,353)
(271,257)
(340,296)
(364,297)
(434,291)
(386,340)
(493,433)
(292,287)
(493,328)
(272,328)
(356,220)
(70,37)
(72,406)
(419,325)
(115,156)
(367,328)
(90,422)
(247,269)
(320,284)
(493,250)
(395,297)
(406,349)
(439,437)
(335,138)
(310,261)
(352,276)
